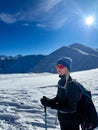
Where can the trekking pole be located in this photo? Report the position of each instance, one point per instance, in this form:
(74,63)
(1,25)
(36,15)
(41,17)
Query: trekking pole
(56,118)
(45,118)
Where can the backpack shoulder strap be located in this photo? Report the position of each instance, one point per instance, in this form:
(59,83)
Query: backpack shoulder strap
(83,90)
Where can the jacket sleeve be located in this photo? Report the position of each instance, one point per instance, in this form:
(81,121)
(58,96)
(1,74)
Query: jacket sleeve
(54,100)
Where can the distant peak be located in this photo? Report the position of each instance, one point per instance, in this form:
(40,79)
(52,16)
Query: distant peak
(77,45)
(64,47)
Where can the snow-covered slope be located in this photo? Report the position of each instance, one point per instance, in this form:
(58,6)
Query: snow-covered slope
(85,49)
(20,94)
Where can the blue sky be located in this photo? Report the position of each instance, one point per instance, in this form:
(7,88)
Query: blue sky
(42,26)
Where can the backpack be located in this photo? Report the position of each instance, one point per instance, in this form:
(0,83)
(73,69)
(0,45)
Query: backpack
(86,110)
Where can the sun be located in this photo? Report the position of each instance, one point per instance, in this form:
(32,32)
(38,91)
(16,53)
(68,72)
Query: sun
(89,20)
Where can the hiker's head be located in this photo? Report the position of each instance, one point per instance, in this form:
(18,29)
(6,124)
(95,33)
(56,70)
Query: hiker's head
(63,65)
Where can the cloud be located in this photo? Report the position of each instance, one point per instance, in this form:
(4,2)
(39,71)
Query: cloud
(7,18)
(41,25)
(46,14)
(26,24)
(48,5)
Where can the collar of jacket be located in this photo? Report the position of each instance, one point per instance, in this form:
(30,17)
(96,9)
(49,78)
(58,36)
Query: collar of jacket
(63,77)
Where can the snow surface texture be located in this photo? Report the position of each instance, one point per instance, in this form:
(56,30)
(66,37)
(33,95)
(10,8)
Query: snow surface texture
(20,107)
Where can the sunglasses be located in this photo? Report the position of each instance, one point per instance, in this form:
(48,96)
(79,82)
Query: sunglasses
(59,66)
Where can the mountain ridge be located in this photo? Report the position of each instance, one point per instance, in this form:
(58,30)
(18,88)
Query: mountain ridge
(84,58)
(81,61)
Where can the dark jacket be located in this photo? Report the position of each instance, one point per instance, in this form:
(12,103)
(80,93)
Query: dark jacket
(66,102)
(74,106)
(67,97)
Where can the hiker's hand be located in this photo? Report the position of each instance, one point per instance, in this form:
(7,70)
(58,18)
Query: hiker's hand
(46,101)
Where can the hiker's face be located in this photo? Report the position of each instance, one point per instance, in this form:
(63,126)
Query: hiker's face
(62,71)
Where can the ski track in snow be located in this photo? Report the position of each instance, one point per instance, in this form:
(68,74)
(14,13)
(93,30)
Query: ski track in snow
(20,107)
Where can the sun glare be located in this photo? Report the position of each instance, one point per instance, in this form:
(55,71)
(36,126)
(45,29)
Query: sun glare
(89,20)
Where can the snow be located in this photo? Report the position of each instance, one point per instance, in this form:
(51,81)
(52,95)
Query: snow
(20,107)
(82,52)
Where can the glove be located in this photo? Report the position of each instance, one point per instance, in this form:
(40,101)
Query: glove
(46,101)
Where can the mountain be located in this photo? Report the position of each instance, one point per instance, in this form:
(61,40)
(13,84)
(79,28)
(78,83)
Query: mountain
(19,64)
(86,49)
(84,58)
